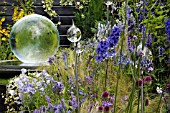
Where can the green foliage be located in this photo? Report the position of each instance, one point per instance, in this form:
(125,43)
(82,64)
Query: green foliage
(87,18)
(26,5)
(156,14)
(3,81)
(47,5)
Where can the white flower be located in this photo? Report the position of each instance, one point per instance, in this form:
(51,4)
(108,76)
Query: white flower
(41,89)
(108,3)
(11,92)
(159,90)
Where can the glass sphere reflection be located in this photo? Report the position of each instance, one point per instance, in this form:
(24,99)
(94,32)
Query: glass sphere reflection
(73,33)
(34,38)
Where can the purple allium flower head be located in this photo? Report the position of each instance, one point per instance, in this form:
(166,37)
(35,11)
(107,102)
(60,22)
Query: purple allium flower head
(23,71)
(106,108)
(100,108)
(146,102)
(167,28)
(105,94)
(148,80)
(139,83)
(168,87)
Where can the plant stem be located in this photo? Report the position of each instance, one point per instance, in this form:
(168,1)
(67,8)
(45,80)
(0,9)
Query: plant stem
(142,98)
(138,101)
(159,103)
(106,76)
(118,76)
(76,75)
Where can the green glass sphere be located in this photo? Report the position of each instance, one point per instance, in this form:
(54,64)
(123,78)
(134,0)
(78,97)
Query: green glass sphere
(34,38)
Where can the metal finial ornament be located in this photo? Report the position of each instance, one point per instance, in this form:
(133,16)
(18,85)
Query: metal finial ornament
(73,33)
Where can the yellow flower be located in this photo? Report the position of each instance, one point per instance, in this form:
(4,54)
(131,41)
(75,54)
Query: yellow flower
(3,39)
(15,10)
(6,33)
(3,30)
(2,19)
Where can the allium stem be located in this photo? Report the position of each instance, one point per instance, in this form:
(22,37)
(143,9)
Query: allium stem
(142,98)
(138,101)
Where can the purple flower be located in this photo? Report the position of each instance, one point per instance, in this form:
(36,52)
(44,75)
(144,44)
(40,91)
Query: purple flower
(51,60)
(114,36)
(146,102)
(105,94)
(99,58)
(23,71)
(106,108)
(43,109)
(58,87)
(74,102)
(150,69)
(36,111)
(130,43)
(139,83)
(148,80)
(160,51)
(168,87)
(167,28)
(48,99)
(149,40)
(104,48)
(100,108)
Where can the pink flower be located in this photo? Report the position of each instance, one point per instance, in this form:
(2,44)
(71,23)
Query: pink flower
(105,94)
(100,108)
(168,86)
(148,80)
(139,83)
(106,108)
(146,102)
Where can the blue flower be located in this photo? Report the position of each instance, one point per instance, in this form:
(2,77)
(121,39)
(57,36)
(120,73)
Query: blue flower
(36,111)
(167,27)
(58,87)
(114,36)
(48,99)
(131,45)
(149,40)
(160,51)
(105,48)
(99,58)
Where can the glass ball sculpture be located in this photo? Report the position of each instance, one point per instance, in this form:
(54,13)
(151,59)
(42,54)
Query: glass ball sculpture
(34,38)
(73,33)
